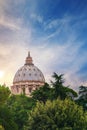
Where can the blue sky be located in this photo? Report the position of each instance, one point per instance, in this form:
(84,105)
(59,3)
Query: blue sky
(53,31)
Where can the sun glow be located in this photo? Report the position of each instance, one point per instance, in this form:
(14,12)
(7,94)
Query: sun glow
(1,74)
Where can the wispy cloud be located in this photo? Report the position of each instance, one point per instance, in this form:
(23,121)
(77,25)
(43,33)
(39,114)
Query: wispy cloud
(9,24)
(36,18)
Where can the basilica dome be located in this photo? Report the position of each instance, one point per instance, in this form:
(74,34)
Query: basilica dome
(28,77)
(28,73)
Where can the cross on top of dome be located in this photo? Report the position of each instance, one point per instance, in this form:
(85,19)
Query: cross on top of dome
(28,53)
(28,60)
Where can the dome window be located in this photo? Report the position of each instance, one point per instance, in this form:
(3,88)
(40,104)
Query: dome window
(23,74)
(30,74)
(34,69)
(35,74)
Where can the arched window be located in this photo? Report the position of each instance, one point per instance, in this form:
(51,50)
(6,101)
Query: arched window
(30,90)
(17,89)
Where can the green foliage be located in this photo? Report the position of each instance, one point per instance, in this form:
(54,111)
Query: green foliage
(50,113)
(70,92)
(6,119)
(20,105)
(1,127)
(58,79)
(83,92)
(82,100)
(53,92)
(59,90)
(42,94)
(6,116)
(4,94)
(57,115)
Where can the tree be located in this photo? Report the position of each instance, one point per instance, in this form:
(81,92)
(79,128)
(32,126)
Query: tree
(82,100)
(6,116)
(42,94)
(83,92)
(53,92)
(57,115)
(20,105)
(6,119)
(59,89)
(4,94)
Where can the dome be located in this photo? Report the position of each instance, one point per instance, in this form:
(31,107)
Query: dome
(27,79)
(28,72)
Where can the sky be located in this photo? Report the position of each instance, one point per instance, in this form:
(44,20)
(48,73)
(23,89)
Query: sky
(54,31)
